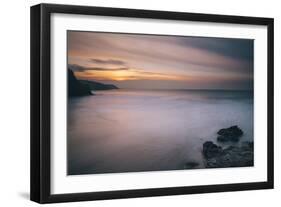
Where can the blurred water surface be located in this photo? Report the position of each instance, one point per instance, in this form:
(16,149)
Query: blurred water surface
(136,130)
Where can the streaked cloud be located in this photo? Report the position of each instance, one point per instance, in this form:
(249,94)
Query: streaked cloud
(121,74)
(107,61)
(128,57)
(80,68)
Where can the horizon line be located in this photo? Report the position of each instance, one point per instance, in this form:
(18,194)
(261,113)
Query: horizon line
(186,89)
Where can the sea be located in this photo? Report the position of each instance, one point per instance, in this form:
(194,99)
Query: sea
(118,131)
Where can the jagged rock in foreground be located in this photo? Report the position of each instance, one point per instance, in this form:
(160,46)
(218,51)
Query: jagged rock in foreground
(211,150)
(75,88)
(232,156)
(231,134)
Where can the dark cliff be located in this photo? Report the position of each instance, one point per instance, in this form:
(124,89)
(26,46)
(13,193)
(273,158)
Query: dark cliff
(75,87)
(93,85)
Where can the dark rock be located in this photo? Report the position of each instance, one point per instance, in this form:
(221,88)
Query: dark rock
(93,85)
(248,145)
(191,165)
(75,88)
(231,134)
(211,150)
(233,156)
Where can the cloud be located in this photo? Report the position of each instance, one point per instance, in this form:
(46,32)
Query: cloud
(240,49)
(75,67)
(165,52)
(79,68)
(107,69)
(196,59)
(107,61)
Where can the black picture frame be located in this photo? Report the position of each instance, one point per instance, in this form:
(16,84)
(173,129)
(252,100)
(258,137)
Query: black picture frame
(41,99)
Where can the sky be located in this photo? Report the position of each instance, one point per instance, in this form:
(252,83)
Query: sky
(136,61)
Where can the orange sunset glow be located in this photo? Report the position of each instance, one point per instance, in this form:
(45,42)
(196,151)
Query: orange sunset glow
(130,74)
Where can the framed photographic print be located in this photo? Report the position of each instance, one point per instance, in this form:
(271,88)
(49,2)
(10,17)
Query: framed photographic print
(132,103)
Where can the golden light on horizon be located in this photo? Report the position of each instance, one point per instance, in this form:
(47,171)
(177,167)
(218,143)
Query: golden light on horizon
(128,74)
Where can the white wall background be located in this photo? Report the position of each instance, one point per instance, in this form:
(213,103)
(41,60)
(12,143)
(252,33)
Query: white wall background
(14,101)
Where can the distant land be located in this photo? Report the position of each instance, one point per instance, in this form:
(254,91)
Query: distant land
(93,85)
(78,88)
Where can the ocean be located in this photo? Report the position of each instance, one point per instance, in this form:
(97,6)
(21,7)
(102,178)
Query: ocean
(150,130)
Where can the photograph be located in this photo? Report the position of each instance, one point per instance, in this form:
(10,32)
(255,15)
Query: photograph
(132,103)
(150,102)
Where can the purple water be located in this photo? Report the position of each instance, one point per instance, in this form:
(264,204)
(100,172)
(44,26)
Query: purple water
(134,130)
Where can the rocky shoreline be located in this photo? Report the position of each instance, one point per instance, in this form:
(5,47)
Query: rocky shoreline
(232,156)
(237,154)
